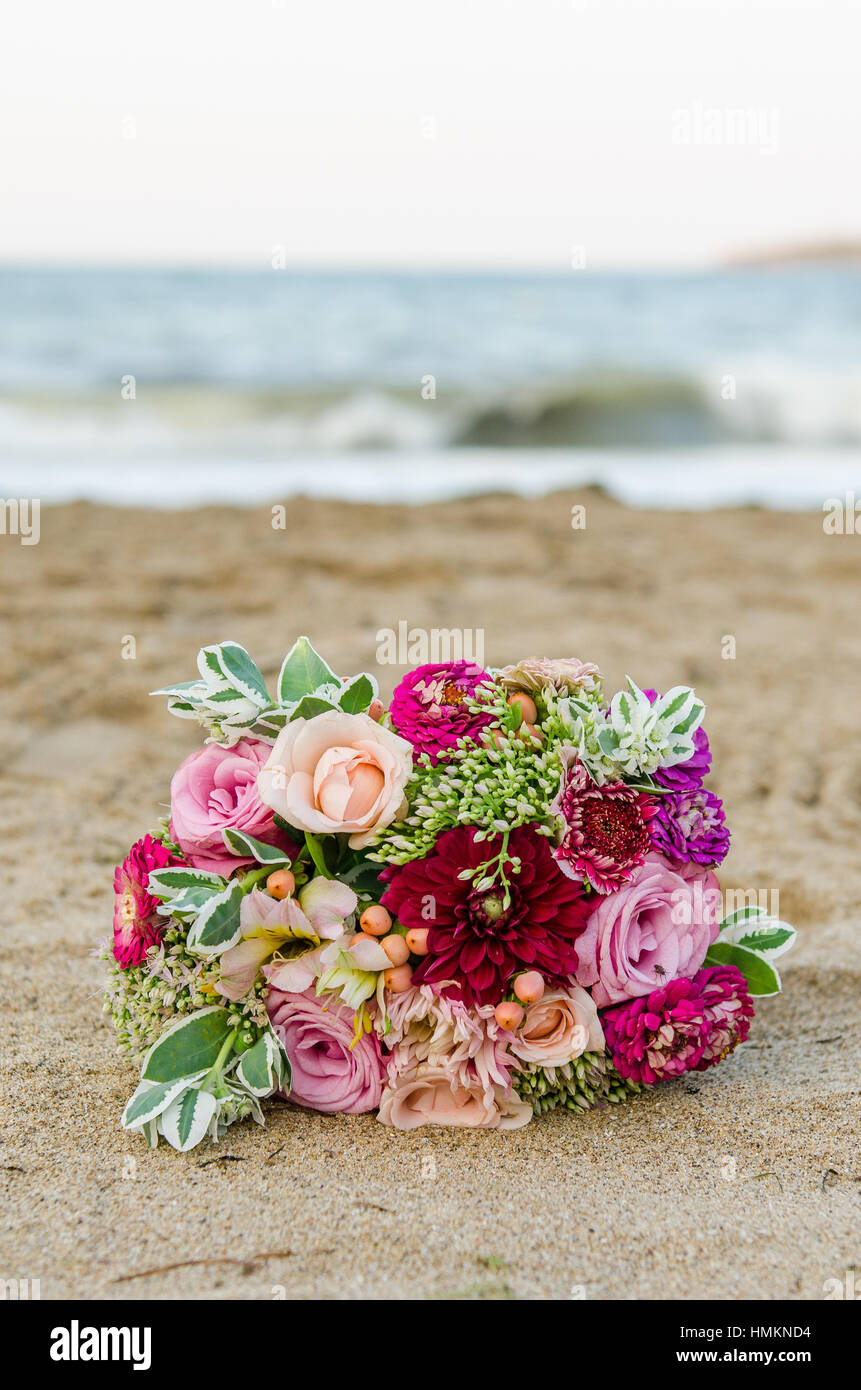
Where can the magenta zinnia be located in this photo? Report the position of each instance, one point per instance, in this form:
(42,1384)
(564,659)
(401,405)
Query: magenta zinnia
(687,1025)
(430,707)
(606,829)
(476,942)
(136,925)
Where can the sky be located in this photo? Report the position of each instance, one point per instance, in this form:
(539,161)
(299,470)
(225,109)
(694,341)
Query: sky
(540,133)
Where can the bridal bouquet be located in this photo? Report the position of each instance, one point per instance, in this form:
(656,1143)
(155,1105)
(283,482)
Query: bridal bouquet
(492,898)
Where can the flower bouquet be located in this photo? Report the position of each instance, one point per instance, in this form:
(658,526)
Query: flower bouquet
(491,899)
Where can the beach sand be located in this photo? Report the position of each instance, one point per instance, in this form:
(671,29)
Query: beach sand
(743,1182)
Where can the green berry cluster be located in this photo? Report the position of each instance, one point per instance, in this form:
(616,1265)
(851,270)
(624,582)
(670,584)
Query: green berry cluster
(144,999)
(580,1085)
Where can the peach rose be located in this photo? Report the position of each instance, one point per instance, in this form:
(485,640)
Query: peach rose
(559,1027)
(337,773)
(430,1095)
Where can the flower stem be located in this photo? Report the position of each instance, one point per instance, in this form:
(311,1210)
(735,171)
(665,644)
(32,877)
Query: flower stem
(215,1069)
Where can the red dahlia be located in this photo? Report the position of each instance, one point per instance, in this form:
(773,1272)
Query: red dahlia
(476,943)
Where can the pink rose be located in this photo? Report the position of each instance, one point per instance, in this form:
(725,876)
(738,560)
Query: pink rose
(331,1071)
(214,790)
(654,929)
(337,772)
(562,1025)
(432,1095)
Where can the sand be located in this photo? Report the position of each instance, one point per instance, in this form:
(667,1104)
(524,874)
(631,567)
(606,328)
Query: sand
(741,1183)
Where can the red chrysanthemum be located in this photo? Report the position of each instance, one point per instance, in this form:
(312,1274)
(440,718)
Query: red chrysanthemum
(606,829)
(476,943)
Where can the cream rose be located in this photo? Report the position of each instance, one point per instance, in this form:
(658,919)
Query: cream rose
(430,1095)
(562,1025)
(337,773)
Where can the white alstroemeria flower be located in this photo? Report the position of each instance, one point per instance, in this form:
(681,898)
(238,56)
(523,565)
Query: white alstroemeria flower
(351,968)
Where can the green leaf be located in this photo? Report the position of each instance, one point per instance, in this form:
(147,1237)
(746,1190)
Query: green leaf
(190,902)
(357,694)
(283,1069)
(242,673)
(769,939)
(151,1098)
(303,670)
(363,877)
(691,719)
(318,857)
(762,978)
(190,1047)
(608,741)
(257,1067)
(164,882)
(309,706)
(674,702)
(232,702)
(244,845)
(183,688)
(210,667)
(187,1119)
(217,925)
(743,914)
(183,708)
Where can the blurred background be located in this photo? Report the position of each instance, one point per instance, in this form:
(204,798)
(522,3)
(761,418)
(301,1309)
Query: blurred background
(407,255)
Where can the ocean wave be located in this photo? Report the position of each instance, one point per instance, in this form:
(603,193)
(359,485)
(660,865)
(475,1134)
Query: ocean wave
(761,403)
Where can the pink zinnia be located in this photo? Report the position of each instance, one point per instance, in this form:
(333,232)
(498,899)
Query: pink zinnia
(429,706)
(136,923)
(606,829)
(475,942)
(688,1025)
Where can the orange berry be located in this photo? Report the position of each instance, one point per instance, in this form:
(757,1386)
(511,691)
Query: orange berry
(508,1014)
(396,949)
(529,987)
(528,709)
(527,732)
(280,884)
(398,979)
(496,737)
(417,941)
(375,920)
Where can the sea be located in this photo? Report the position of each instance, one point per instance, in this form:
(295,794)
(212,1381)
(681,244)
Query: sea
(179,387)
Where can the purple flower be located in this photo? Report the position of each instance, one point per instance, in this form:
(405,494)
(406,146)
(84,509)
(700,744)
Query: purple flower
(686,1025)
(430,708)
(690,826)
(686,776)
